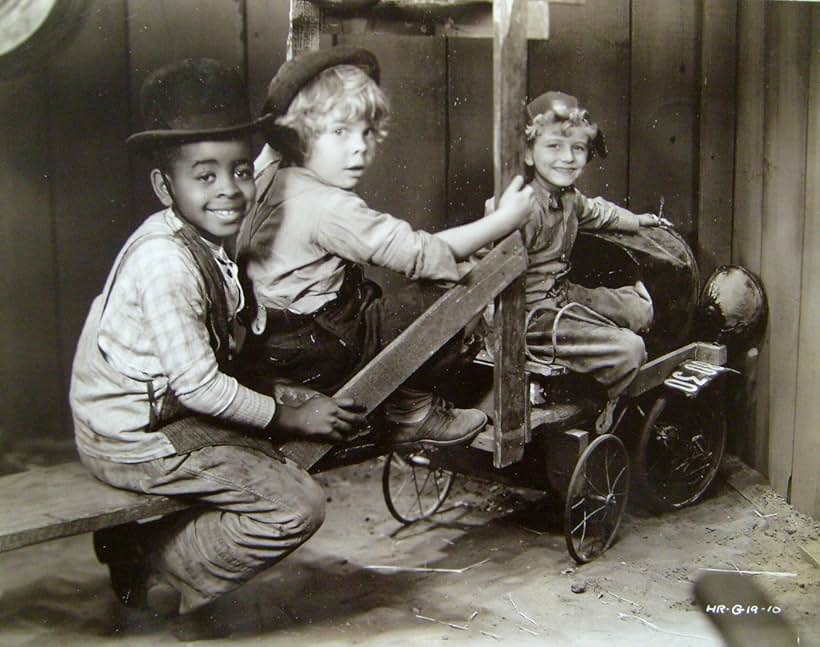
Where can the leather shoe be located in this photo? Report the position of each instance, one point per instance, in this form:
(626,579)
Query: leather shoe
(443,426)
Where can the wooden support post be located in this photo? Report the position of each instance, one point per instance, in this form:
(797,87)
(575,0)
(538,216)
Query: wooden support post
(509,92)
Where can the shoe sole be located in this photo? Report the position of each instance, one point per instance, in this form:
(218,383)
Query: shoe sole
(468,437)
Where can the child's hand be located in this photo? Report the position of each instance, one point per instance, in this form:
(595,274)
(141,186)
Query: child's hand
(516,202)
(320,418)
(652,220)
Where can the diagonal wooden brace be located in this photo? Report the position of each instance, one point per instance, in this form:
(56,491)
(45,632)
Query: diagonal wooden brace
(434,328)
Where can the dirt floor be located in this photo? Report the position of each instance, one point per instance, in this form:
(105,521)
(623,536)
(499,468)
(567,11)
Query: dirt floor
(509,578)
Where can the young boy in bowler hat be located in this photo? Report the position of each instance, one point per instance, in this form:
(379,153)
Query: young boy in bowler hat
(587,330)
(316,319)
(155,409)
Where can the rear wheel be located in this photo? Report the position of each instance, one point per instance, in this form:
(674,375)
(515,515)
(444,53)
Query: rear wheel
(596,498)
(680,447)
(413,489)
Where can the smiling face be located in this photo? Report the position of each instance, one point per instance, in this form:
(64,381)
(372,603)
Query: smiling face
(211,186)
(341,152)
(559,155)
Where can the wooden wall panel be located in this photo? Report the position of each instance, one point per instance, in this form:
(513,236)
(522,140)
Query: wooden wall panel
(663,123)
(33,389)
(470,124)
(90,177)
(749,427)
(784,192)
(163,31)
(806,469)
(717,132)
(587,55)
(266,32)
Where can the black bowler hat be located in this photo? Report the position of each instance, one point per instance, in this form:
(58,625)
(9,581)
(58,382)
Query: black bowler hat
(296,73)
(192,100)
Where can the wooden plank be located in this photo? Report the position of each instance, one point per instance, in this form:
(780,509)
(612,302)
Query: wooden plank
(509,92)
(31,400)
(717,132)
(88,90)
(587,55)
(663,126)
(47,503)
(805,477)
(750,412)
(405,354)
(784,193)
(163,31)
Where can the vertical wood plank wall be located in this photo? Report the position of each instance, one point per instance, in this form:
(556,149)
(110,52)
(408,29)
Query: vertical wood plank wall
(667,81)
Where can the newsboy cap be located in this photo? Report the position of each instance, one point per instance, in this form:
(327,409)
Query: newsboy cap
(562,104)
(192,100)
(296,73)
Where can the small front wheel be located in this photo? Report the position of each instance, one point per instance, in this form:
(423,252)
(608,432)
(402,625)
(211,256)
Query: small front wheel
(596,498)
(413,489)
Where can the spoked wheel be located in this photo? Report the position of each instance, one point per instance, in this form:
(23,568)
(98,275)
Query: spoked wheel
(679,450)
(596,498)
(412,488)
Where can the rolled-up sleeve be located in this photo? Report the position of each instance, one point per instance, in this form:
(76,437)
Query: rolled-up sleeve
(597,213)
(350,229)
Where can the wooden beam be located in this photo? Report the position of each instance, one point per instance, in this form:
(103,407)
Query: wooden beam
(717,132)
(405,354)
(509,95)
(788,27)
(805,476)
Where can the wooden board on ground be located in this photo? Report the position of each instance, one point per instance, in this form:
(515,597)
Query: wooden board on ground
(51,502)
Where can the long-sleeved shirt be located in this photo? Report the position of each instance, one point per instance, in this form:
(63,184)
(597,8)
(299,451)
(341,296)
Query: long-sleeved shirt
(551,230)
(149,326)
(305,232)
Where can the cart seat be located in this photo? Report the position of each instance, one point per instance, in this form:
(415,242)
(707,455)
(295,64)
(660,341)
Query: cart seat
(544,370)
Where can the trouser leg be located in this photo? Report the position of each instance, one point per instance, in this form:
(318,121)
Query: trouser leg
(587,343)
(254,512)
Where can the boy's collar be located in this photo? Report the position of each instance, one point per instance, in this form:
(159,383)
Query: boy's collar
(553,195)
(177,222)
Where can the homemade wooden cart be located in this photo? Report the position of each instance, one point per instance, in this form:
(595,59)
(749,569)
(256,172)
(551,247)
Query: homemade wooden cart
(542,417)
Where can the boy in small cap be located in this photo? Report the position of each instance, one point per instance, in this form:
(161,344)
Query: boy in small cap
(317,319)
(155,409)
(587,330)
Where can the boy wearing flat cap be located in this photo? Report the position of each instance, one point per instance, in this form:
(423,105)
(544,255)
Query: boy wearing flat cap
(587,330)
(317,319)
(155,409)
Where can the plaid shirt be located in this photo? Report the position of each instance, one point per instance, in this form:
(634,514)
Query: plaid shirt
(152,330)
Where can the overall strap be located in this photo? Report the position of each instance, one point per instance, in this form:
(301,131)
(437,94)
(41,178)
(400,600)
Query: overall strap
(218,325)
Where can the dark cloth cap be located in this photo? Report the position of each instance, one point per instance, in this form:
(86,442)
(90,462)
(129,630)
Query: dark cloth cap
(562,104)
(296,73)
(192,100)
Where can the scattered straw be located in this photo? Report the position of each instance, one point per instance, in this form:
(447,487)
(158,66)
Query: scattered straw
(519,612)
(624,599)
(626,616)
(737,570)
(529,631)
(419,569)
(442,622)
